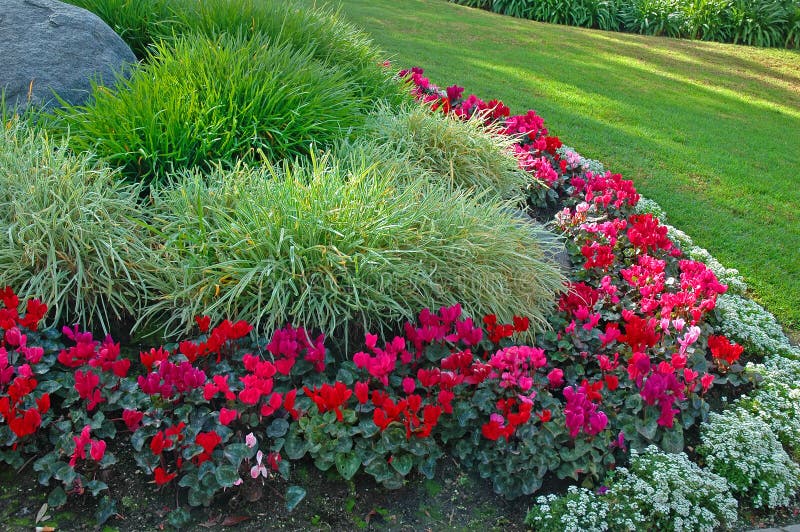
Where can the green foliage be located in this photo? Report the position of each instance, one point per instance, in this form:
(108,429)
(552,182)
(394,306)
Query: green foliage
(466,154)
(754,22)
(333,41)
(324,244)
(709,20)
(72,232)
(140,23)
(652,17)
(759,22)
(205,101)
(356,444)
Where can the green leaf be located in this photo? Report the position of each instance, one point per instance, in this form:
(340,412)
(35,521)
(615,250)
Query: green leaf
(428,467)
(48,386)
(137,440)
(402,463)
(294,494)
(347,464)
(368,428)
(96,486)
(277,428)
(295,446)
(64,472)
(57,498)
(197,497)
(236,452)
(189,480)
(179,518)
(672,442)
(204,469)
(105,509)
(226,475)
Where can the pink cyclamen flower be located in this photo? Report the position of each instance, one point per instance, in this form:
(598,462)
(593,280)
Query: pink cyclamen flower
(250,440)
(259,468)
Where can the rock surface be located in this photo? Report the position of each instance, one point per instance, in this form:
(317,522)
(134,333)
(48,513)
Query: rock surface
(47,46)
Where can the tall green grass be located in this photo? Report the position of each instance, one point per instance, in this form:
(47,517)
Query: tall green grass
(70,232)
(333,41)
(140,23)
(341,246)
(204,100)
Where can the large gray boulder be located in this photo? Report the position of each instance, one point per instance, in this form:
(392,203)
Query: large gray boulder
(47,46)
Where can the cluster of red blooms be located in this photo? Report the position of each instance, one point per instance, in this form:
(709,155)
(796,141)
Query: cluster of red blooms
(18,407)
(662,308)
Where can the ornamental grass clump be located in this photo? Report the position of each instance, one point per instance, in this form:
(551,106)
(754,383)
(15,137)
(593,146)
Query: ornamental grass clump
(71,231)
(741,448)
(338,245)
(139,23)
(333,40)
(213,100)
(464,153)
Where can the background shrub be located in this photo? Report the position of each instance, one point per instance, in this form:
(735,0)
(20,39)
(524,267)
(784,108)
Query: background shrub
(207,100)
(463,153)
(323,244)
(71,232)
(753,22)
(652,17)
(759,22)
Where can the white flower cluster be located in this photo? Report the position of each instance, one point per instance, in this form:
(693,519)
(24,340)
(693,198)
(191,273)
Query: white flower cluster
(579,510)
(751,325)
(659,491)
(742,448)
(778,405)
(673,493)
(648,206)
(777,368)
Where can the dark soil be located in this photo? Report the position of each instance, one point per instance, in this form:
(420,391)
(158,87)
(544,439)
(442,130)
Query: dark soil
(455,500)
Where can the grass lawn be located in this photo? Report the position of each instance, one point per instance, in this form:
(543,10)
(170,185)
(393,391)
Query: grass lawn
(710,131)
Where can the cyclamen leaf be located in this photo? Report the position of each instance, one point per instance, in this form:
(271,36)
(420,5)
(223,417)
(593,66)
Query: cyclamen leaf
(48,386)
(106,508)
(295,446)
(294,494)
(96,486)
(226,475)
(277,428)
(347,464)
(57,498)
(403,463)
(236,452)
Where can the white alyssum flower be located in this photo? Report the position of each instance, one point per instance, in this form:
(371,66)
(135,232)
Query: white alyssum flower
(751,325)
(743,449)
(577,511)
(672,493)
(648,206)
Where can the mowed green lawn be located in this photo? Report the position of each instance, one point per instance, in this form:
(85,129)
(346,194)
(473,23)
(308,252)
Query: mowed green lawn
(710,131)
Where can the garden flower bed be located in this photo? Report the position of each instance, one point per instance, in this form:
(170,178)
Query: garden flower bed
(607,380)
